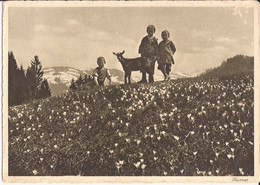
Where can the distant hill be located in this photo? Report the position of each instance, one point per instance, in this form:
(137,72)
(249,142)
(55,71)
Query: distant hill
(235,65)
(60,77)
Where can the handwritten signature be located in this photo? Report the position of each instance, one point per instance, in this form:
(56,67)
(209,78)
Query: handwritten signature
(240,179)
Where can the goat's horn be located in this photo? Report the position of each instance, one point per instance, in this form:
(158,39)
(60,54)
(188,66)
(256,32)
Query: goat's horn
(123,52)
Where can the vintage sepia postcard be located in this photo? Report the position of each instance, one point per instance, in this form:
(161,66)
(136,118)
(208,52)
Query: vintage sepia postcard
(131,92)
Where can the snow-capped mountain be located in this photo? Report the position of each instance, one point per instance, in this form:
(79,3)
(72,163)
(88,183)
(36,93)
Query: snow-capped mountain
(197,72)
(59,78)
(57,75)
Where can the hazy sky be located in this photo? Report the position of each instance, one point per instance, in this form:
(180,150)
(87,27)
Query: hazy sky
(76,36)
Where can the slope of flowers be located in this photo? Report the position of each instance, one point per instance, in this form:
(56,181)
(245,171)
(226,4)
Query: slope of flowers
(186,127)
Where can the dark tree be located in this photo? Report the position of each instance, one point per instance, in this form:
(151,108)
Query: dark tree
(79,81)
(34,77)
(44,91)
(21,86)
(12,80)
(87,78)
(72,85)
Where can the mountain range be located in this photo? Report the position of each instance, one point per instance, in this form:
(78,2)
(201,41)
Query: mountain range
(59,77)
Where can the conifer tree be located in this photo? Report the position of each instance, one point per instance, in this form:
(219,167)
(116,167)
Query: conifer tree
(21,87)
(12,80)
(44,91)
(79,82)
(34,76)
(72,85)
(87,78)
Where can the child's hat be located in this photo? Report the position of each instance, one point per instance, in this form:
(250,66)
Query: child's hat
(100,59)
(167,32)
(150,27)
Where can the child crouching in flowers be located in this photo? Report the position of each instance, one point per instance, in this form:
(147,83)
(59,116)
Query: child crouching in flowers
(100,73)
(166,52)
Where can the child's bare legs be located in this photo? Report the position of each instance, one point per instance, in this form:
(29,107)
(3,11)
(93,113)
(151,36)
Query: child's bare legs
(167,70)
(144,64)
(151,67)
(162,68)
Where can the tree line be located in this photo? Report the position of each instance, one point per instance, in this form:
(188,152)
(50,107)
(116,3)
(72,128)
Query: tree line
(235,65)
(82,83)
(26,86)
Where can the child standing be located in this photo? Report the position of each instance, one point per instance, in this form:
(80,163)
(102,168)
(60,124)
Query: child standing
(166,52)
(149,51)
(101,73)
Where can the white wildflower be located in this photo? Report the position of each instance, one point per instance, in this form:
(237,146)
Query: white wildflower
(176,137)
(241,171)
(35,172)
(137,164)
(121,162)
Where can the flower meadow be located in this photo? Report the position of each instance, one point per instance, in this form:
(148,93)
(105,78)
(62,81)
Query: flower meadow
(184,127)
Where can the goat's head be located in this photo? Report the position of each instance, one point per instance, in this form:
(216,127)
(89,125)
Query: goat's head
(119,55)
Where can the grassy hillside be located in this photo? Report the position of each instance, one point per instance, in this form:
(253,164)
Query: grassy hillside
(181,127)
(236,65)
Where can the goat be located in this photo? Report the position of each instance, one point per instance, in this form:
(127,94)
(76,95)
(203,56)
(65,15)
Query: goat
(134,64)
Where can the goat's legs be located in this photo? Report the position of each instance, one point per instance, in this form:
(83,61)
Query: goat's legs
(129,78)
(143,80)
(151,80)
(126,77)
